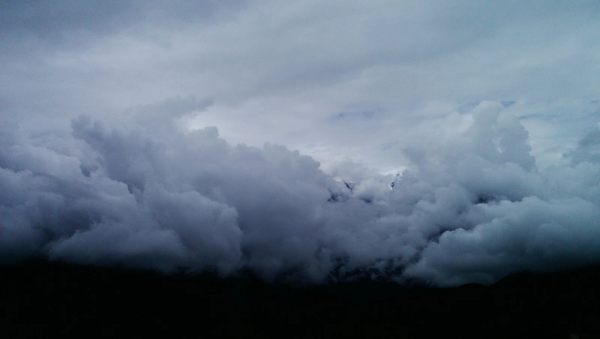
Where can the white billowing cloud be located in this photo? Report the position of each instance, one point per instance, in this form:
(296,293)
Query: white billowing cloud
(471,208)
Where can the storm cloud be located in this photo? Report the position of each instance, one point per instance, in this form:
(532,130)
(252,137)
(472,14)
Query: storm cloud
(395,140)
(472,209)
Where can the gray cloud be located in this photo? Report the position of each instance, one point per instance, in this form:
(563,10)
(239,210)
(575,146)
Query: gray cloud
(488,112)
(472,209)
(267,64)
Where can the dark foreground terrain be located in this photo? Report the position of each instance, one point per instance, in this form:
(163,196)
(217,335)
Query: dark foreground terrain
(43,300)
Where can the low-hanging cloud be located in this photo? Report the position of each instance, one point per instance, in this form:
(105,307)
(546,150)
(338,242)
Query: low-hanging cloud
(148,193)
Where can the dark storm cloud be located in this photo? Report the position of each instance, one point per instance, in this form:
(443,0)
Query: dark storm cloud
(487,113)
(473,210)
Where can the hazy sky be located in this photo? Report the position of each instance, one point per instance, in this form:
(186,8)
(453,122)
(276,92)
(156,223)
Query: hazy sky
(219,134)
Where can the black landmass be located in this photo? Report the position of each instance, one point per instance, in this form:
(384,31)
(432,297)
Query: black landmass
(54,300)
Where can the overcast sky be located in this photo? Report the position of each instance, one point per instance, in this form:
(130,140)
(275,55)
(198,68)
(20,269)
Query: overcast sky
(267,135)
(338,80)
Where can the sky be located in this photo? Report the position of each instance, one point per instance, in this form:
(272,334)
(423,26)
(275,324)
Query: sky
(450,142)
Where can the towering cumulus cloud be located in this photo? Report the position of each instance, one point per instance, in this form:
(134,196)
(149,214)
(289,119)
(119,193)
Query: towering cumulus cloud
(150,194)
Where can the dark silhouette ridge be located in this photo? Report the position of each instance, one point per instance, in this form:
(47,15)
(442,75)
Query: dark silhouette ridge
(54,300)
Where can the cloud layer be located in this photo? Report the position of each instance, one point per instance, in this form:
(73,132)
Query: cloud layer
(341,80)
(149,193)
(488,112)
